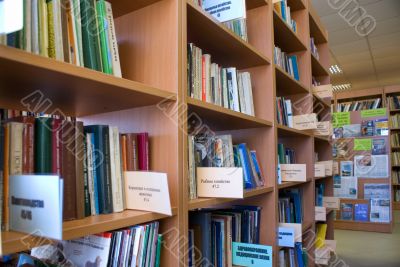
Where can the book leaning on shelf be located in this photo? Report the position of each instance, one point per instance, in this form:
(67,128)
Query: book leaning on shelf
(290,206)
(287,62)
(281,7)
(90,159)
(80,32)
(139,245)
(211,233)
(218,151)
(212,83)
(237,26)
(293,257)
(284,111)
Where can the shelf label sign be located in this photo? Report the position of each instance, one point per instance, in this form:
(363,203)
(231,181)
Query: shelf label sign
(220,182)
(320,214)
(293,172)
(319,170)
(378,112)
(364,144)
(36,205)
(251,255)
(331,202)
(225,10)
(297,228)
(11,16)
(147,191)
(340,119)
(286,237)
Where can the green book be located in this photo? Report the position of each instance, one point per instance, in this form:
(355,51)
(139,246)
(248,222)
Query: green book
(281,154)
(90,44)
(103,34)
(158,250)
(144,248)
(43,150)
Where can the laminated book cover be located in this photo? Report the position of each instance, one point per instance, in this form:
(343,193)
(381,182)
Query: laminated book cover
(379,146)
(381,127)
(361,212)
(352,130)
(367,128)
(346,211)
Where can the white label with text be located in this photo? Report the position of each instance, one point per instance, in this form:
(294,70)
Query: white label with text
(220,182)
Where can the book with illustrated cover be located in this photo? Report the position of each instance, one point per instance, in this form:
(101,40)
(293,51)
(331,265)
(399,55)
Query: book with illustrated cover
(351,130)
(346,211)
(361,212)
(379,146)
(368,128)
(382,127)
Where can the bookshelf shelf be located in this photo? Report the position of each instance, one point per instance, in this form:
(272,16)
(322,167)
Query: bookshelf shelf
(291,184)
(394,110)
(224,46)
(287,85)
(284,131)
(296,5)
(363,226)
(285,37)
(121,7)
(323,102)
(395,147)
(316,30)
(207,202)
(13,241)
(317,68)
(220,118)
(395,129)
(321,178)
(322,138)
(70,88)
(251,4)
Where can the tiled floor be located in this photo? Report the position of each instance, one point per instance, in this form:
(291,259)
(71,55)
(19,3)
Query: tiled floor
(363,249)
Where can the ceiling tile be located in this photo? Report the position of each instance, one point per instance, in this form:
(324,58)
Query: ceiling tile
(388,51)
(334,22)
(388,26)
(355,57)
(385,40)
(383,10)
(350,48)
(343,36)
(323,8)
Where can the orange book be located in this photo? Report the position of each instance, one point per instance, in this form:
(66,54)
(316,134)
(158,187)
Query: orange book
(6,169)
(123,153)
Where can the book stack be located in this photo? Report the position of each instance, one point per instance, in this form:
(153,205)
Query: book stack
(212,83)
(90,159)
(237,26)
(359,105)
(395,121)
(283,10)
(393,102)
(293,257)
(396,158)
(319,194)
(290,206)
(134,246)
(287,62)
(396,177)
(286,155)
(284,111)
(314,49)
(218,151)
(80,32)
(395,140)
(212,232)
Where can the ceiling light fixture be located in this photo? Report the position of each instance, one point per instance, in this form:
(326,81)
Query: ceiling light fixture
(341,87)
(335,70)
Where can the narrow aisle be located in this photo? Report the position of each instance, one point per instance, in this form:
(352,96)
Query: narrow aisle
(363,249)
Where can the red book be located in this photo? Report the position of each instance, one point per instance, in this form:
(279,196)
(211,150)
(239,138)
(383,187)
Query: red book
(143,151)
(203,83)
(56,148)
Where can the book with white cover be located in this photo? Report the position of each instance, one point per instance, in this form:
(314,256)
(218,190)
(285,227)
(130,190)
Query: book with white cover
(233,88)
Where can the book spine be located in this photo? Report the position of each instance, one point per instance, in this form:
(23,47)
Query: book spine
(78,29)
(43,151)
(79,152)
(103,32)
(51,29)
(6,181)
(116,175)
(35,27)
(72,36)
(56,147)
(43,29)
(64,35)
(143,151)
(203,79)
(113,44)
(108,207)
(86,179)
(27,25)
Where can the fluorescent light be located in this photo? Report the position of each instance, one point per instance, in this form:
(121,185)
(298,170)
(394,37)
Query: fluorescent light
(335,69)
(341,87)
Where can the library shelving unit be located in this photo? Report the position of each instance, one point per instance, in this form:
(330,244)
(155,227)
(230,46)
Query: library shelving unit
(152,97)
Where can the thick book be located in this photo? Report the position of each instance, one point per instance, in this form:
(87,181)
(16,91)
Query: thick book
(79,151)
(249,182)
(43,148)
(116,173)
(116,65)
(102,165)
(56,146)
(143,151)
(105,51)
(132,157)
(201,223)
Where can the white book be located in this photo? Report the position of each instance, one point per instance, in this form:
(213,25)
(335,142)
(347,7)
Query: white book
(248,93)
(78,30)
(15,161)
(115,165)
(140,259)
(233,89)
(288,105)
(136,245)
(35,27)
(241,93)
(207,77)
(75,58)
(199,73)
(113,44)
(219,86)
(282,262)
(225,89)
(58,37)
(3,39)
(90,169)
(27,25)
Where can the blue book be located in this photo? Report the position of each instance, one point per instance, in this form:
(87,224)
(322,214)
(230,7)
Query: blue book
(202,220)
(299,254)
(256,165)
(283,8)
(293,59)
(295,195)
(245,222)
(361,212)
(247,173)
(218,243)
(95,178)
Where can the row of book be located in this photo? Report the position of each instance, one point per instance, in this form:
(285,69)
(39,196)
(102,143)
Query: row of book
(396,158)
(287,62)
(80,32)
(237,26)
(219,151)
(360,211)
(286,155)
(396,195)
(211,233)
(293,257)
(283,10)
(290,206)
(284,113)
(396,176)
(395,140)
(395,121)
(393,102)
(212,83)
(134,246)
(359,105)
(90,159)
(314,48)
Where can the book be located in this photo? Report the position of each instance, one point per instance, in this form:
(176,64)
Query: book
(143,151)
(346,211)
(116,65)
(378,146)
(43,151)
(103,23)
(361,212)
(367,128)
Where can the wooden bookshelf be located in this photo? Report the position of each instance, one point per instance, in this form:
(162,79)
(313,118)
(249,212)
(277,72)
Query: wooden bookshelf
(15,242)
(152,96)
(317,68)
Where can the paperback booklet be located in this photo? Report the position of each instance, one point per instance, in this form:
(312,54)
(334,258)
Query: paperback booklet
(379,146)
(361,212)
(346,211)
(367,128)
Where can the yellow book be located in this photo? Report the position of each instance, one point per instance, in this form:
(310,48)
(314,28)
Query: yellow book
(277,7)
(43,33)
(51,32)
(321,234)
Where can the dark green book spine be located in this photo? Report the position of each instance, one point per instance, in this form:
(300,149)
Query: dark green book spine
(158,250)
(43,155)
(108,208)
(86,180)
(281,154)
(90,44)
